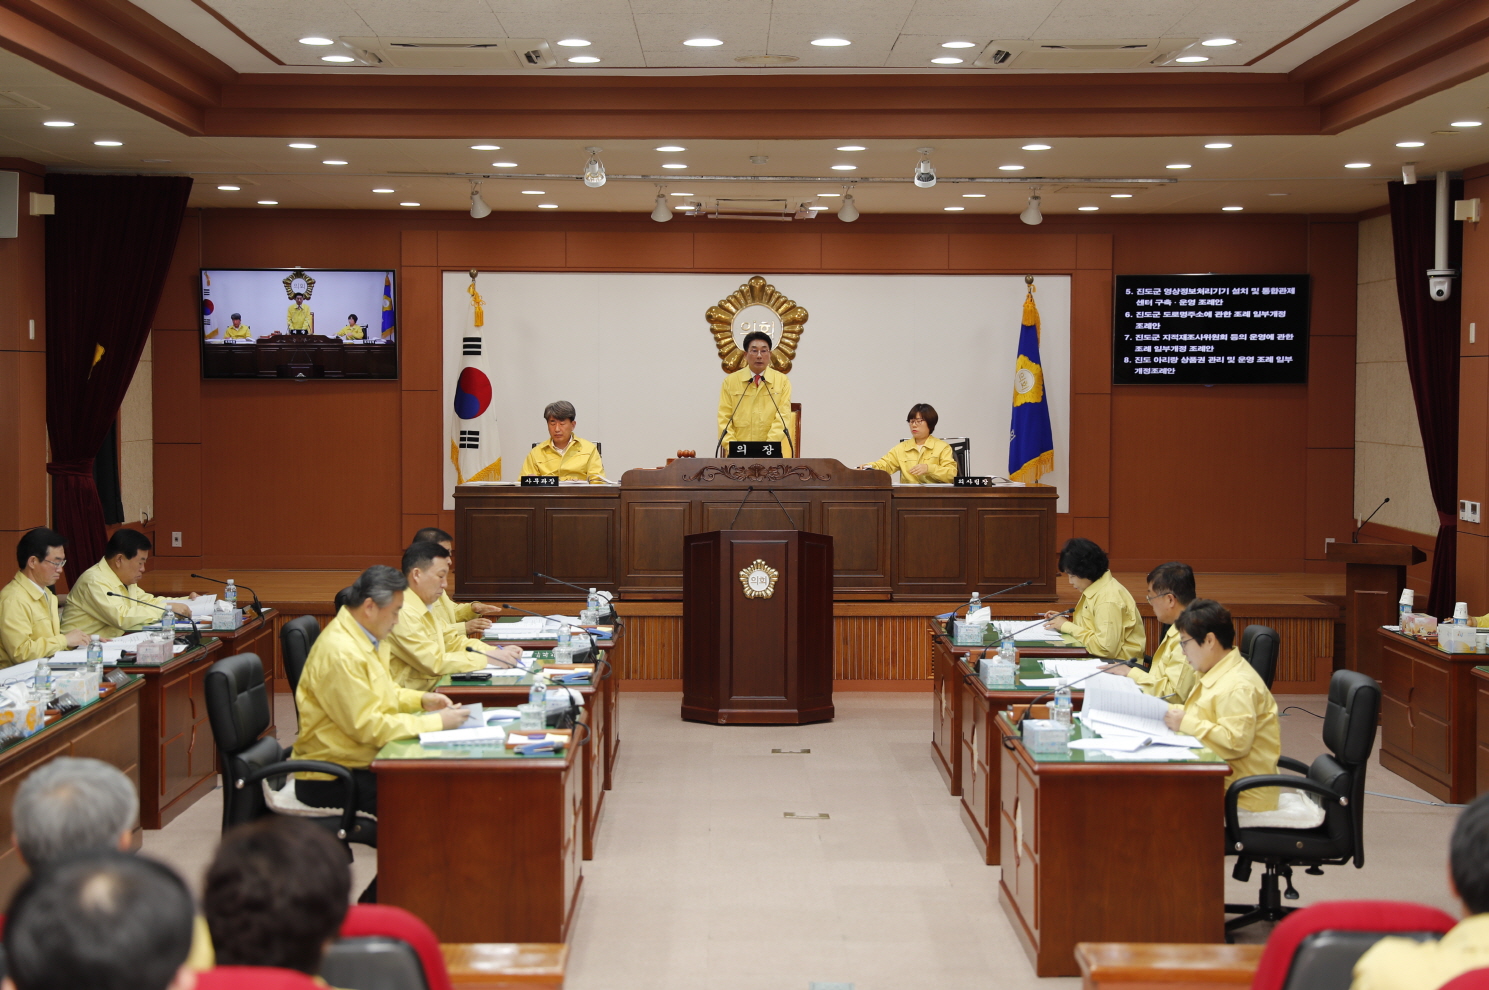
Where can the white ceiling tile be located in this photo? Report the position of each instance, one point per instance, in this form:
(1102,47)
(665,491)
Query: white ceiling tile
(703,8)
(1097,19)
(561,8)
(741,34)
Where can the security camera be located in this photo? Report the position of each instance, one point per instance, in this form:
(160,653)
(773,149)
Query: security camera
(925,174)
(1409,174)
(1440,284)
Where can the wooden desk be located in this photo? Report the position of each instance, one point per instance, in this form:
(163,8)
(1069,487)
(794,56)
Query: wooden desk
(308,356)
(258,635)
(1481,730)
(108,730)
(506,965)
(1151,965)
(502,831)
(1068,876)
(178,757)
(1428,709)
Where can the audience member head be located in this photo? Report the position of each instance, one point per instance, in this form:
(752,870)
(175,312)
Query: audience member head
(276,893)
(73,805)
(126,553)
(926,414)
(1205,632)
(433,534)
(1468,857)
(1170,589)
(39,555)
(425,566)
(1083,561)
(757,345)
(102,921)
(375,598)
(561,418)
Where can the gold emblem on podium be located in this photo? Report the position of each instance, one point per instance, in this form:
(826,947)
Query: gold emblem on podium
(756,305)
(759,579)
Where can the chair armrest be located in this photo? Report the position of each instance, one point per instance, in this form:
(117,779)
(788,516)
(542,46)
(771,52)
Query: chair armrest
(506,965)
(1108,965)
(349,806)
(1296,766)
(1233,793)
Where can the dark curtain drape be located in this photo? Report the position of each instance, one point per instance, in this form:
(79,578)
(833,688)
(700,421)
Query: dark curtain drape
(1431,332)
(106,477)
(108,249)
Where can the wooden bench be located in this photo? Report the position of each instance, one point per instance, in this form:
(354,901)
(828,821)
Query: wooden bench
(1165,966)
(506,965)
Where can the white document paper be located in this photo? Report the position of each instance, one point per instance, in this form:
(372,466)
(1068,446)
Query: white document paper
(1036,634)
(486,734)
(1074,670)
(202,606)
(1116,706)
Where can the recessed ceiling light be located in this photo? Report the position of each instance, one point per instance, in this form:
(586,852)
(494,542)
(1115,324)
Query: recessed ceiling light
(852,147)
(1232,209)
(1467,123)
(1192,58)
(1411,144)
(574,43)
(268,202)
(533,192)
(703,42)
(1010,168)
(829,195)
(337,58)
(156,161)
(682,194)
(547,206)
(1218,42)
(832,42)
(1357,165)
(1036,147)
(333,161)
(314,40)
(974,195)
(1088,209)
(1278,194)
(958,44)
(844,168)
(229,188)
(674,165)
(672,147)
(485,147)
(57,123)
(1177,165)
(584,59)
(1121,195)
(408,204)
(109,144)
(503,164)
(1213,145)
(303,145)
(953,209)
(947,60)
(381,190)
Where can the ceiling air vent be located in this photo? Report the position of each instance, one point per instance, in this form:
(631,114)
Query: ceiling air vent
(15,101)
(459,53)
(1117,53)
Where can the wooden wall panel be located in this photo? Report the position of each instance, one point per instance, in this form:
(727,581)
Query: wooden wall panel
(1331,392)
(23,268)
(1093,251)
(1331,488)
(421,337)
(1235,244)
(423,462)
(668,251)
(757,252)
(1013,251)
(370,239)
(881,648)
(420,248)
(23,441)
(652,648)
(1090,455)
(1090,331)
(1332,248)
(1473,402)
(906,252)
(176,370)
(178,504)
(517,251)
(180,306)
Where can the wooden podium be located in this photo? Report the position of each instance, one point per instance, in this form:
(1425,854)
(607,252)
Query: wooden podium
(757,627)
(1374,574)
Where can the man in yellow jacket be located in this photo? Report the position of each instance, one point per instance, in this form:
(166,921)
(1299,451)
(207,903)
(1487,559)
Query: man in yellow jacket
(1169,677)
(29,626)
(466,618)
(419,651)
(92,607)
(298,318)
(1230,711)
(922,459)
(236,330)
(755,403)
(1106,621)
(349,706)
(564,454)
(351,331)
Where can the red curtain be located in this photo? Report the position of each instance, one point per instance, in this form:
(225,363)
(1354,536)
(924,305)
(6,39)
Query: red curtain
(1431,332)
(107,252)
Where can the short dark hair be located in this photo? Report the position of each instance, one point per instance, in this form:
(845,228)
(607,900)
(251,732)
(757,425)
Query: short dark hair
(300,295)
(1468,857)
(1081,558)
(431,534)
(562,409)
(351,316)
(423,555)
(107,921)
(275,892)
(925,411)
(379,582)
(38,543)
(236,316)
(755,335)
(1204,616)
(1174,579)
(129,542)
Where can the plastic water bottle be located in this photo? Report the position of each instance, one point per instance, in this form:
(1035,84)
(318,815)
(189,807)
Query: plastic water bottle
(230,594)
(95,656)
(974,603)
(1061,711)
(1007,649)
(43,679)
(595,604)
(538,693)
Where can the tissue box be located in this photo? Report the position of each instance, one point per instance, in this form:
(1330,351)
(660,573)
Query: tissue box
(27,717)
(227,620)
(153,652)
(970,633)
(79,683)
(1457,639)
(1045,736)
(996,673)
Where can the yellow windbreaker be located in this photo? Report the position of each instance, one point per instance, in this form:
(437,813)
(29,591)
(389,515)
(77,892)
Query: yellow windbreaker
(903,456)
(90,608)
(1170,673)
(29,628)
(756,418)
(580,461)
(420,654)
(1234,715)
(1106,621)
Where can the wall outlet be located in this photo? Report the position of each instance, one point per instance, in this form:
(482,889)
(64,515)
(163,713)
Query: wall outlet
(175,539)
(1468,511)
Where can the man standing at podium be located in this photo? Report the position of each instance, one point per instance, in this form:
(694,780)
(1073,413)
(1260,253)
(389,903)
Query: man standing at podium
(299,319)
(755,401)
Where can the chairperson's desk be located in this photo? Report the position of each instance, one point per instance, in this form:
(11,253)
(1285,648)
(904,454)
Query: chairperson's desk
(482,844)
(1070,871)
(1428,716)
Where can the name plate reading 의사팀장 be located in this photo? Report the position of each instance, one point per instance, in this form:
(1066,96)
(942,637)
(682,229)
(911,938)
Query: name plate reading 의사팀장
(755,448)
(972,481)
(540,481)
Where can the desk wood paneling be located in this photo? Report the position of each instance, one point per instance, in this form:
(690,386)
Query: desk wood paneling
(1428,716)
(1481,730)
(1165,966)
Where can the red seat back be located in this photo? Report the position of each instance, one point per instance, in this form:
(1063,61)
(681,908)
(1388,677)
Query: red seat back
(1356,916)
(395,922)
(1474,979)
(256,978)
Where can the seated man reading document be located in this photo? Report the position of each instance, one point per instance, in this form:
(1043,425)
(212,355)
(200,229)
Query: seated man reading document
(1169,677)
(1230,710)
(755,402)
(468,618)
(91,607)
(922,458)
(1105,621)
(29,625)
(349,706)
(564,454)
(419,653)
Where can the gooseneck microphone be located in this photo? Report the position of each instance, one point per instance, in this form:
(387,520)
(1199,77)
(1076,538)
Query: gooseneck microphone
(952,617)
(750,491)
(1078,680)
(193,638)
(786,429)
(1355,536)
(257,605)
(720,445)
(488,656)
(609,612)
(594,645)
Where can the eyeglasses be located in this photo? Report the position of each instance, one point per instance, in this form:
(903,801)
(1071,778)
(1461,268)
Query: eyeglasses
(1161,594)
(59,564)
(1187,642)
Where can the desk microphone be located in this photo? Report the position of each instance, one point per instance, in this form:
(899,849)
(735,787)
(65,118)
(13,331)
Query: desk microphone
(193,638)
(750,491)
(257,605)
(720,445)
(952,617)
(1355,536)
(773,402)
(614,596)
(594,645)
(488,656)
(1078,680)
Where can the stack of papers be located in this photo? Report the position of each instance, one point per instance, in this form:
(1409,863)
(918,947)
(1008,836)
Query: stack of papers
(1038,634)
(202,606)
(486,735)
(1118,709)
(527,627)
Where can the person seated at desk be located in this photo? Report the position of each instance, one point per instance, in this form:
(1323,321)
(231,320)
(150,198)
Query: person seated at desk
(349,706)
(1396,963)
(29,625)
(351,331)
(419,652)
(466,618)
(299,319)
(89,605)
(1105,620)
(1230,710)
(922,458)
(237,330)
(754,403)
(564,454)
(1169,676)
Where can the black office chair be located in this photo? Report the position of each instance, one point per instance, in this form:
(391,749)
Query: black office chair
(295,640)
(961,452)
(1260,646)
(373,962)
(238,710)
(1337,777)
(342,597)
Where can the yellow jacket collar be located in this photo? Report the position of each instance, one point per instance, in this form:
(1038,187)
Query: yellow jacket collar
(1226,664)
(30,587)
(1099,585)
(577,445)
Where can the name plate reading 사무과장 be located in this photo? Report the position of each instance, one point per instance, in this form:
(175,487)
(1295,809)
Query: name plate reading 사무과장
(540,481)
(755,448)
(972,481)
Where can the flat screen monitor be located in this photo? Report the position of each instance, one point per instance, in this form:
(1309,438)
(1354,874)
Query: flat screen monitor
(299,324)
(1210,330)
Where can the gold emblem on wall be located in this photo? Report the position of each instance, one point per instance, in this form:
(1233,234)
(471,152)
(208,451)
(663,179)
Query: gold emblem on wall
(759,579)
(299,281)
(756,305)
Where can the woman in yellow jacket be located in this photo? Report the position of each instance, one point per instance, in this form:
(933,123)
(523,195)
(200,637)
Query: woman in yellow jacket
(1106,621)
(922,458)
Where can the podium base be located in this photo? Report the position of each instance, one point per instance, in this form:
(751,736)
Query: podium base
(748,716)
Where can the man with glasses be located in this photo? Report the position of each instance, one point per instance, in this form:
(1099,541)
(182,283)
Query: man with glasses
(1230,711)
(1170,590)
(29,624)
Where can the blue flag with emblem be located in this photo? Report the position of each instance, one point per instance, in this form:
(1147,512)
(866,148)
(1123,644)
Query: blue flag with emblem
(387,307)
(1031,443)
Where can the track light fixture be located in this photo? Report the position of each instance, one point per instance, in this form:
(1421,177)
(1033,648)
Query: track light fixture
(661,213)
(1032,215)
(848,212)
(925,172)
(594,169)
(478,206)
